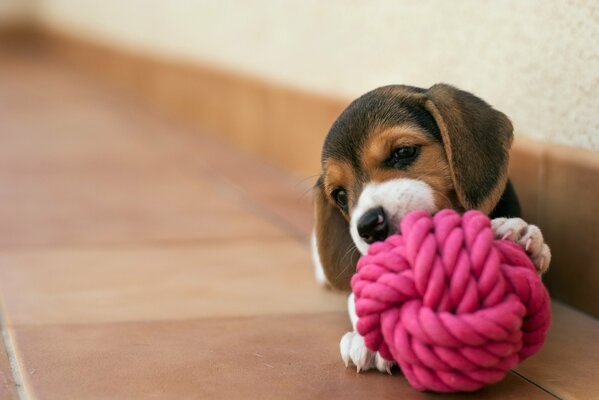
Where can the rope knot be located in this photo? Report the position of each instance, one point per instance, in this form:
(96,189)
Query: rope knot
(453,306)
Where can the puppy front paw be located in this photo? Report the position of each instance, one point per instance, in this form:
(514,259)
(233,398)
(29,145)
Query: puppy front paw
(354,351)
(528,236)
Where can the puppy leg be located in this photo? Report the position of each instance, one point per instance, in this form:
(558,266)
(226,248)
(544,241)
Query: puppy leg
(354,350)
(526,235)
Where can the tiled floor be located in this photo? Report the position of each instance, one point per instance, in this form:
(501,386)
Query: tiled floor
(139,259)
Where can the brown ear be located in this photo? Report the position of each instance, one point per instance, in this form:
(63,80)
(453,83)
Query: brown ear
(336,249)
(477,139)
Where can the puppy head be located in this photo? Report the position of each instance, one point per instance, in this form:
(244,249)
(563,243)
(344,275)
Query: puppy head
(397,149)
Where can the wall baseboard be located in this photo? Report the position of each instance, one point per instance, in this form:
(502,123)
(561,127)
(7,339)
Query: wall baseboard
(558,185)
(284,125)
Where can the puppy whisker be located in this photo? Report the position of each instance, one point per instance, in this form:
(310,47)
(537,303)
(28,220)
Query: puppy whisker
(350,252)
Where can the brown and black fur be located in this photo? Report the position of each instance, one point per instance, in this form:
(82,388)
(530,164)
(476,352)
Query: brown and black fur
(467,144)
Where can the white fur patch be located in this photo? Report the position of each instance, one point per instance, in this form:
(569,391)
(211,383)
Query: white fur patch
(318,270)
(351,310)
(397,197)
(528,236)
(354,351)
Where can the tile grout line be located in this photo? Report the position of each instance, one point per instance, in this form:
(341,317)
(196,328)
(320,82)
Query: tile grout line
(259,210)
(132,244)
(228,187)
(12,359)
(544,389)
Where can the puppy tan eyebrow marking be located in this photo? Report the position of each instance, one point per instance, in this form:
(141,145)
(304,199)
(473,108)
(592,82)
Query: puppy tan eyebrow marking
(381,142)
(337,174)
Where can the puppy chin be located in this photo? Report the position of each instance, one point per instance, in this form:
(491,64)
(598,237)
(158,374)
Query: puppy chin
(397,197)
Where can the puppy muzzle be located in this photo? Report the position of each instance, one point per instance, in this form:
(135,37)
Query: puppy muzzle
(381,206)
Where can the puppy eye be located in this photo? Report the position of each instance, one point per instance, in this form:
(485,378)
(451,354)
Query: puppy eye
(340,197)
(403,156)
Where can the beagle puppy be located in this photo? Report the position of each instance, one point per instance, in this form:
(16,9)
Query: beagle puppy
(401,148)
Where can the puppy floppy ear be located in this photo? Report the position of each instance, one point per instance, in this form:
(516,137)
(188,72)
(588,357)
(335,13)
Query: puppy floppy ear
(476,139)
(336,250)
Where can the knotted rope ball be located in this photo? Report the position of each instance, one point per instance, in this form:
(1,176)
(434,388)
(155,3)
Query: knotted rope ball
(454,307)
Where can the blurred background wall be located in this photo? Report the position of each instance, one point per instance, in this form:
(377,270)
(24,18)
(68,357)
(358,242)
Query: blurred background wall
(538,61)
(16,11)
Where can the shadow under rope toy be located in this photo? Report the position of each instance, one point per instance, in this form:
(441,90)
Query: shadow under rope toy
(453,306)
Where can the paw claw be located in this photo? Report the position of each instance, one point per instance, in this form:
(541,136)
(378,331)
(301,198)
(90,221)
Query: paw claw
(383,365)
(344,348)
(528,236)
(507,234)
(354,352)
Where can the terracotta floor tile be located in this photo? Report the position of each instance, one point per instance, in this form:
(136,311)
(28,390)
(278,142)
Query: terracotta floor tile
(8,389)
(93,138)
(287,357)
(281,196)
(235,278)
(84,169)
(567,365)
(111,206)
(284,196)
(37,129)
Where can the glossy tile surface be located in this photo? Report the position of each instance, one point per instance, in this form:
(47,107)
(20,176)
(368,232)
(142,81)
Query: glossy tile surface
(270,357)
(104,284)
(567,365)
(85,170)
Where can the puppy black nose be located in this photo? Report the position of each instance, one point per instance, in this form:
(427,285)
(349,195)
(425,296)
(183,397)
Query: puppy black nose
(372,226)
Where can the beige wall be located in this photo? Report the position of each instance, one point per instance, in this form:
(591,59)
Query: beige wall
(538,61)
(16,11)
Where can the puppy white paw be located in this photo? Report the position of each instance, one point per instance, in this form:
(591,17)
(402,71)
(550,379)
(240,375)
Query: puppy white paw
(528,236)
(354,352)
(383,365)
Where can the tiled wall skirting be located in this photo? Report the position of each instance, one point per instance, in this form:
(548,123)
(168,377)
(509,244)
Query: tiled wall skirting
(558,185)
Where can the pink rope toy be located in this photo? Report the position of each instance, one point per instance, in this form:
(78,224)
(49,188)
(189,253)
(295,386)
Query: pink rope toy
(454,307)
